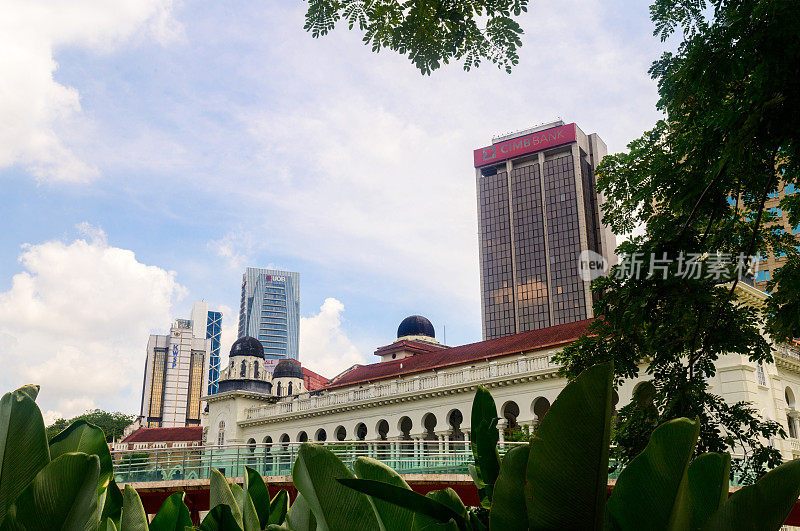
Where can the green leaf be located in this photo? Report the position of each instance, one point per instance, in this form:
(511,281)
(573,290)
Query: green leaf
(300,517)
(484,440)
(391,516)
(567,474)
(112,505)
(649,492)
(763,505)
(23,444)
(221,494)
(173,515)
(238,495)
(133,516)
(449,499)
(508,505)
(255,485)
(406,498)
(220,518)
(31,391)
(279,507)
(81,436)
(707,488)
(63,495)
(107,524)
(315,472)
(249,514)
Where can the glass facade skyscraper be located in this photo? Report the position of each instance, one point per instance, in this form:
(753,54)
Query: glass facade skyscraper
(214,332)
(538,210)
(208,324)
(270,310)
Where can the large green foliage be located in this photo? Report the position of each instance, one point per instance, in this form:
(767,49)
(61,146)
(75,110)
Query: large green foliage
(484,444)
(557,480)
(575,447)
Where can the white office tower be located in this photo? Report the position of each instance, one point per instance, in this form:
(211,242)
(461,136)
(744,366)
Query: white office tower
(176,372)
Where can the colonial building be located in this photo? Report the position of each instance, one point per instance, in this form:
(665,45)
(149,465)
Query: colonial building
(421,390)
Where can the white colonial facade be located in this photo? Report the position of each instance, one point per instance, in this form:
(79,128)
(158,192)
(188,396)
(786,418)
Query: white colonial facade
(434,404)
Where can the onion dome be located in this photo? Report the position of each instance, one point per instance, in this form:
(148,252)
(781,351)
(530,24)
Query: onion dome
(248,346)
(415,325)
(288,369)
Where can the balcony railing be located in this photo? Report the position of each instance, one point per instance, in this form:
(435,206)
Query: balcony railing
(785,351)
(446,378)
(174,464)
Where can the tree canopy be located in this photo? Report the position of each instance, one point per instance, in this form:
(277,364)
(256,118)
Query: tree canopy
(112,424)
(698,182)
(430,32)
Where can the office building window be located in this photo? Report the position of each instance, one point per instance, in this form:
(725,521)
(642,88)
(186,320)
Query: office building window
(157,387)
(195,386)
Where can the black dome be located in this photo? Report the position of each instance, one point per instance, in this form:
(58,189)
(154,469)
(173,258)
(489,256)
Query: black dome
(247,346)
(288,369)
(415,325)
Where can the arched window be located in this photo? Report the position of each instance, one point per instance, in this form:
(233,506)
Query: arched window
(289,392)
(243,371)
(278,392)
(221,433)
(255,370)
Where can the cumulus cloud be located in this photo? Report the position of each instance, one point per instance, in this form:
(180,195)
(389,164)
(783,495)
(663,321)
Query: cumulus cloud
(324,346)
(37,113)
(76,322)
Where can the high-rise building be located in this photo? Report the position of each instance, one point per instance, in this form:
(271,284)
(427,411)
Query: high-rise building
(538,210)
(767,265)
(176,372)
(208,324)
(270,311)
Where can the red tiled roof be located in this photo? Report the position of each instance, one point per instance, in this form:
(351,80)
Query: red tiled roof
(187,433)
(503,346)
(313,380)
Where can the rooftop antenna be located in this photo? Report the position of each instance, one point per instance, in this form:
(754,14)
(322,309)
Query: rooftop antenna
(445,334)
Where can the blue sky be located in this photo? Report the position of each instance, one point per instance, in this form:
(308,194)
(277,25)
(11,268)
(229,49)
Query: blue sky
(175,143)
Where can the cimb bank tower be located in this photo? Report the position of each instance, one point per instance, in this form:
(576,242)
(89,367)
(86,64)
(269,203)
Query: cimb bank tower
(538,210)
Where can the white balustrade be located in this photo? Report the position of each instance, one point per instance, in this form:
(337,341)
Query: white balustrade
(445,378)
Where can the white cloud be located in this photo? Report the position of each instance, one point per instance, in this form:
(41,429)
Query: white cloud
(368,165)
(76,322)
(235,247)
(324,346)
(38,114)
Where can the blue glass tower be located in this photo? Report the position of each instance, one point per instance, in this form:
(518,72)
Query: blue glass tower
(270,310)
(213,332)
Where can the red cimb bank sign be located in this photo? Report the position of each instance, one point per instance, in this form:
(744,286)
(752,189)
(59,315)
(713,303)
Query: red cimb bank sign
(531,143)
